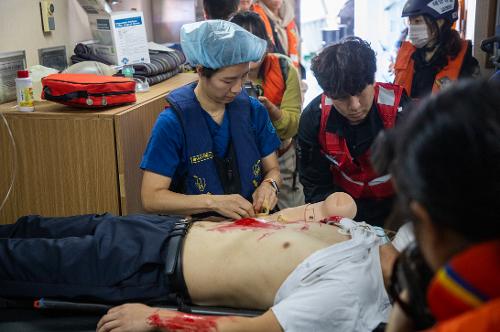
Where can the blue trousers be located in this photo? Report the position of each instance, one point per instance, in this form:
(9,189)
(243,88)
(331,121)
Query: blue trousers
(91,257)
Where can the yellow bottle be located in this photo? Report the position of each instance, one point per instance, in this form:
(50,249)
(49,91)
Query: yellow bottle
(24,91)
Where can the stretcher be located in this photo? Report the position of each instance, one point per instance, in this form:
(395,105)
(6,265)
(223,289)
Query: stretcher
(53,315)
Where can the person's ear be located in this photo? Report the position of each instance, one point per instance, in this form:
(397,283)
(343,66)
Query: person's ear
(199,70)
(423,220)
(427,234)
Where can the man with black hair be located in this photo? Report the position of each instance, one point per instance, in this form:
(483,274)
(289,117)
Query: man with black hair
(337,129)
(220,9)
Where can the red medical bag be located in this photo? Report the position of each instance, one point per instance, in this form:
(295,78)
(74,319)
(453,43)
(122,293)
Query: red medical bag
(88,90)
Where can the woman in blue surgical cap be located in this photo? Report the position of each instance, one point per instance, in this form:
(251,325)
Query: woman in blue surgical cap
(212,151)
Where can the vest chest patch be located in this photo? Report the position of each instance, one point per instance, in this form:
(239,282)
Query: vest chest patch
(201,157)
(442,82)
(386,96)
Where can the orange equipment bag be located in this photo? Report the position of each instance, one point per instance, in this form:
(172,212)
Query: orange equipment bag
(88,90)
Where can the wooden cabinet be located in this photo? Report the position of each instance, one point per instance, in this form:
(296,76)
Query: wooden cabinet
(71,161)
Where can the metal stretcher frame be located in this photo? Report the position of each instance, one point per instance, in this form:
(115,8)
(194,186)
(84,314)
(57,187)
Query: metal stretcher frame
(46,315)
(21,316)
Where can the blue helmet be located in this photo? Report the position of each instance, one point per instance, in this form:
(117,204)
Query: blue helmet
(446,9)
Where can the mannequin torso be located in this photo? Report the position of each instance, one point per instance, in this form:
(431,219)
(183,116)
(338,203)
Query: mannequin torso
(251,275)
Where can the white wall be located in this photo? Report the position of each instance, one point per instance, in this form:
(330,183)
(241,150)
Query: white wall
(380,23)
(21,27)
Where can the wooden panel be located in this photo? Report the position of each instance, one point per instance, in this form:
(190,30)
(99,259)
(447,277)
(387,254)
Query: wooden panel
(133,129)
(69,159)
(64,166)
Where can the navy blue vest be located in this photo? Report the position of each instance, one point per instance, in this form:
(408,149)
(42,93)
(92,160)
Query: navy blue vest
(202,176)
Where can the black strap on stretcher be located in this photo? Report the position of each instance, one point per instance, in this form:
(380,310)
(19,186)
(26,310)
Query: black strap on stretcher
(50,304)
(55,305)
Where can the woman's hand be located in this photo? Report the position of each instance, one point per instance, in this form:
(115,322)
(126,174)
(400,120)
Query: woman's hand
(265,198)
(232,206)
(274,111)
(127,317)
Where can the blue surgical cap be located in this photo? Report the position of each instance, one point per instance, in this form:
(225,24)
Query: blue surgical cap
(217,43)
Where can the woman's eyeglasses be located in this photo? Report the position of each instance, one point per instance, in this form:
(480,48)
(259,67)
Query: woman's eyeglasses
(412,274)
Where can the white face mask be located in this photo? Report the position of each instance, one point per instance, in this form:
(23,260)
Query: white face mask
(418,35)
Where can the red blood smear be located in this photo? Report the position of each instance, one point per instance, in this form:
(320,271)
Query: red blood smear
(184,322)
(332,220)
(248,223)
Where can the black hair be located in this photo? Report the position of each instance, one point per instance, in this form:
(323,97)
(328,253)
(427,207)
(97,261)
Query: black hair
(446,156)
(208,72)
(448,38)
(346,68)
(252,22)
(220,9)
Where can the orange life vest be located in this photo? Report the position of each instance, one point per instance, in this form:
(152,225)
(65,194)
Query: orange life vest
(464,295)
(273,79)
(358,178)
(405,67)
(486,318)
(293,40)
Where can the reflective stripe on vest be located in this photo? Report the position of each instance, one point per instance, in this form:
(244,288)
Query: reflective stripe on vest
(405,67)
(359,179)
(202,176)
(380,180)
